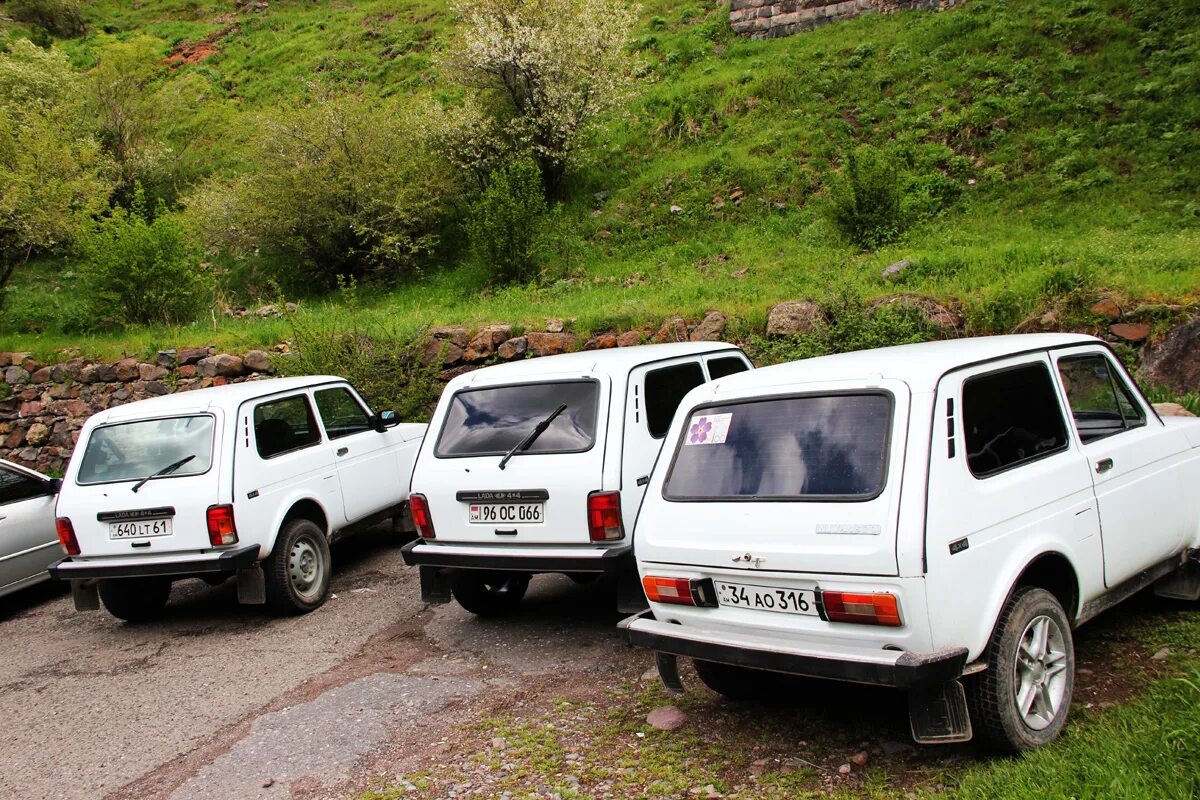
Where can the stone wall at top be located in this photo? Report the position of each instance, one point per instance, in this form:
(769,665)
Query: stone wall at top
(768,19)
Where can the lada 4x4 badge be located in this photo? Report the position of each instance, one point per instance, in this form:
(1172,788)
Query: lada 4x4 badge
(749,559)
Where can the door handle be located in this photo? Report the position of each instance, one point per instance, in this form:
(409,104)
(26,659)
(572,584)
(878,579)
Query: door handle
(341,451)
(1104,465)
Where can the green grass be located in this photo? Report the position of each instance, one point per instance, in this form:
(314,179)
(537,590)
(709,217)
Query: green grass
(1070,131)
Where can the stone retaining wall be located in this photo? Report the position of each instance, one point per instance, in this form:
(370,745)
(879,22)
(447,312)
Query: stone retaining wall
(768,19)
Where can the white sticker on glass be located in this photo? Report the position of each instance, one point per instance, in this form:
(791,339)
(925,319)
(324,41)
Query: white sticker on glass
(708,429)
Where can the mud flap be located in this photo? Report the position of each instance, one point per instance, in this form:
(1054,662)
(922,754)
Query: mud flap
(668,671)
(252,586)
(1183,583)
(435,586)
(631,598)
(84,593)
(938,714)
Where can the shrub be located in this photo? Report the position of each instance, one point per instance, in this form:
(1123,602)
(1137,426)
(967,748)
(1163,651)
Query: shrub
(139,270)
(865,198)
(502,224)
(59,17)
(383,363)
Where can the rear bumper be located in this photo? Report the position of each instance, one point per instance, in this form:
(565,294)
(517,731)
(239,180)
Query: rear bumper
(216,561)
(880,668)
(518,559)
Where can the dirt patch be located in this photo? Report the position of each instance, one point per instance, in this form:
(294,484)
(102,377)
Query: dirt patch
(195,52)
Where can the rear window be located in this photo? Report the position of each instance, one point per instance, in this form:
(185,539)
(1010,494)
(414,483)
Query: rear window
(491,421)
(815,447)
(133,450)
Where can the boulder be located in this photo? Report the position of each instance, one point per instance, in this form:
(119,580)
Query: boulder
(165,358)
(486,340)
(222,365)
(257,361)
(513,348)
(5,360)
(41,376)
(629,339)
(1107,309)
(187,372)
(1173,361)
(15,375)
(37,435)
(97,373)
(666,718)
(151,372)
(673,330)
(710,329)
(127,369)
(441,351)
(1130,331)
(156,388)
(601,341)
(550,344)
(455,334)
(554,325)
(944,318)
(794,317)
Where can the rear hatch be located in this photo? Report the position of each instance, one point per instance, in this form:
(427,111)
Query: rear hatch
(792,482)
(167,512)
(540,494)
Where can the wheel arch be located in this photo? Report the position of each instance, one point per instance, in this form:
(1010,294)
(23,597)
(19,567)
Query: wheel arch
(309,509)
(1055,573)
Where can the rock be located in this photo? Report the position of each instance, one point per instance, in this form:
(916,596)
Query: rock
(269,310)
(676,210)
(223,365)
(151,372)
(629,339)
(1161,655)
(165,358)
(892,270)
(499,743)
(1172,410)
(550,344)
(257,361)
(15,375)
(666,718)
(1173,362)
(187,372)
(710,329)
(649,675)
(860,758)
(794,317)
(156,387)
(41,376)
(1130,331)
(455,334)
(443,351)
(944,318)
(486,340)
(191,355)
(845,769)
(97,373)
(673,330)
(30,408)
(1107,309)
(554,325)
(513,348)
(127,369)
(6,360)
(38,434)
(602,341)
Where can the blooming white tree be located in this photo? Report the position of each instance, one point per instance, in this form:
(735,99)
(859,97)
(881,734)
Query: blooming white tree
(544,71)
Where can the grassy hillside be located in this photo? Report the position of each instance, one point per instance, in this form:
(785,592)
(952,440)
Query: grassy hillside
(1050,152)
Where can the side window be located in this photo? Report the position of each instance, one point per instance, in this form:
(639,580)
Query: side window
(1101,403)
(14,486)
(665,387)
(727,365)
(1011,417)
(340,413)
(281,426)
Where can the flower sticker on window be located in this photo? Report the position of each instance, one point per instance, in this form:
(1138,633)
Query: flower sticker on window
(707,429)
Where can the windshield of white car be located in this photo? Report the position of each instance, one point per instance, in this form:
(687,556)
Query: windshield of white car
(831,447)
(494,420)
(130,451)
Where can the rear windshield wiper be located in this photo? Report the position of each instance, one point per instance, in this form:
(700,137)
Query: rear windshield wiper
(538,430)
(165,470)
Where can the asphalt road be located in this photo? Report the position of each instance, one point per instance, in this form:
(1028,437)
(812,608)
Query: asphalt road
(222,700)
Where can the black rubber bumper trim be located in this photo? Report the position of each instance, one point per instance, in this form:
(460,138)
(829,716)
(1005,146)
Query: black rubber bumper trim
(910,669)
(229,561)
(418,553)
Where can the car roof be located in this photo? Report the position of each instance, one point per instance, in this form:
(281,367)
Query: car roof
(921,366)
(616,360)
(228,397)
(33,473)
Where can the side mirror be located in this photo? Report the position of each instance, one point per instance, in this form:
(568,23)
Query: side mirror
(54,485)
(384,420)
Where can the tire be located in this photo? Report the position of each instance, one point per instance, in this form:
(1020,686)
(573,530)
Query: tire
(1021,701)
(135,599)
(489,594)
(735,683)
(297,571)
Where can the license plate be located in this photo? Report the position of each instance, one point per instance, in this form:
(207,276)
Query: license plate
(764,598)
(506,513)
(139,529)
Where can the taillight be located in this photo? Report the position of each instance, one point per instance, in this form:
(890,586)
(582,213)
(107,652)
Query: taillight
(604,516)
(878,608)
(221,528)
(418,506)
(66,536)
(680,591)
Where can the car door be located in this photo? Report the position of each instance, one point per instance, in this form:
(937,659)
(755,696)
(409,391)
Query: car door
(28,542)
(364,457)
(1132,456)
